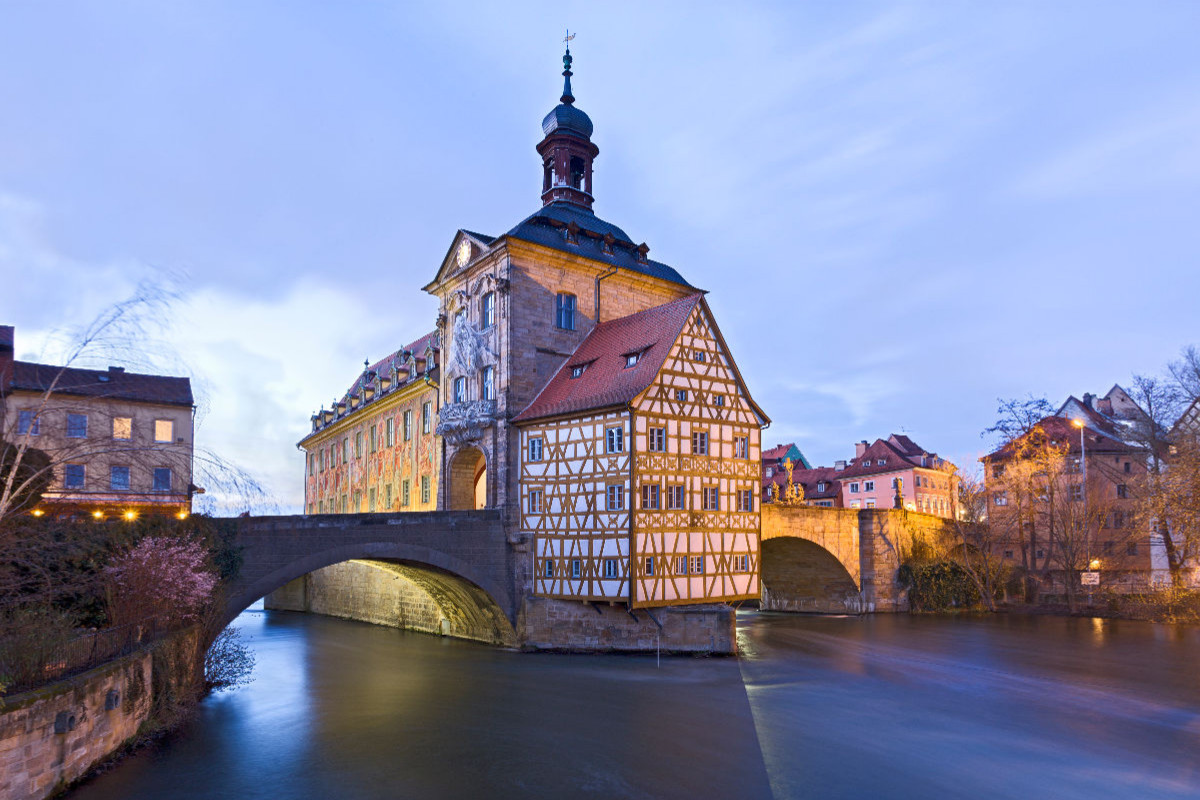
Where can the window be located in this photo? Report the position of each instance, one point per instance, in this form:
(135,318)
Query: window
(615,498)
(1000,498)
(700,443)
(741,563)
(487,383)
(681,395)
(649,565)
(675,497)
(658,440)
(387,497)
(1008,553)
(564,312)
(1108,548)
(406,425)
(73,476)
(681,565)
(358,445)
(389,432)
(879,462)
(372,432)
(854,488)
(118,479)
(577,371)
(28,423)
(1131,549)
(1073,464)
(651,496)
(575,568)
(345,451)
(745,500)
(345,503)
(548,568)
(535,448)
(610,568)
(697,565)
(424,488)
(123,428)
(460,390)
(997,471)
(631,360)
(869,486)
(321,460)
(164,430)
(698,355)
(1122,491)
(535,501)
(1127,466)
(371,500)
(856,504)
(741,447)
(871,502)
(709,499)
(614,440)
(358,502)
(1075,492)
(719,400)
(405,494)
(426,416)
(76,426)
(488,310)
(162,479)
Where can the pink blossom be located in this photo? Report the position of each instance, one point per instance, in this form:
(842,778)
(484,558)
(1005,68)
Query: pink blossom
(160,577)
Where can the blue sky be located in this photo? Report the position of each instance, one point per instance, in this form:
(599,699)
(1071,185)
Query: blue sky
(902,211)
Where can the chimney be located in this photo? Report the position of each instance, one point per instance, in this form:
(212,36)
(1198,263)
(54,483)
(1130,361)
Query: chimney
(860,448)
(7,348)
(1089,400)
(839,465)
(116,370)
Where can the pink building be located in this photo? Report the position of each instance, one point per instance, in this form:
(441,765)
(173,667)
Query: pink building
(926,482)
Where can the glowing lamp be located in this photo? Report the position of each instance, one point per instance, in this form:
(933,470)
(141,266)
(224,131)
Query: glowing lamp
(131,515)
(1094,564)
(182,515)
(37,512)
(1078,423)
(98,514)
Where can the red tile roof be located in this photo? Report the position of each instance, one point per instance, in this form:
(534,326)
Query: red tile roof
(606,381)
(809,478)
(1062,429)
(114,383)
(868,462)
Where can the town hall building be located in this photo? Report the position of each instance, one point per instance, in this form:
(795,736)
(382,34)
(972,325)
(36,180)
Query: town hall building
(574,384)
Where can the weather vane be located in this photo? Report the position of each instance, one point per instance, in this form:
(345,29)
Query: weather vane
(569,37)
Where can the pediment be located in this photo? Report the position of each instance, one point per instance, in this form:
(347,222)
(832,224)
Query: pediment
(465,248)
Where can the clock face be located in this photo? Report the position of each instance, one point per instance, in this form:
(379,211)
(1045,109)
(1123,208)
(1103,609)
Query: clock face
(464,253)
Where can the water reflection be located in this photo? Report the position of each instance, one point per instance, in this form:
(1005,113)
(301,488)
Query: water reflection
(889,706)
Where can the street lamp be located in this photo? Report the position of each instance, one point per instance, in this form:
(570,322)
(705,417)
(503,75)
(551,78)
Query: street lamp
(1087,529)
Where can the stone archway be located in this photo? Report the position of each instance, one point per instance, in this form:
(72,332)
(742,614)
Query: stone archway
(468,481)
(799,575)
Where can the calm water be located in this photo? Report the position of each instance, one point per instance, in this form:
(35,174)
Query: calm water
(888,706)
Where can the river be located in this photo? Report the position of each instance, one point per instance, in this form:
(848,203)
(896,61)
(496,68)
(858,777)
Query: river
(882,706)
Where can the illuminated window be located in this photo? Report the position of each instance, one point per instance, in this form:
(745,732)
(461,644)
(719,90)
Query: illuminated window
(164,430)
(123,428)
(610,568)
(118,479)
(76,426)
(29,423)
(535,448)
(870,502)
(162,479)
(614,440)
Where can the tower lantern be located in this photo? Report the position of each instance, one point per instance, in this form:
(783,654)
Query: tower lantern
(567,151)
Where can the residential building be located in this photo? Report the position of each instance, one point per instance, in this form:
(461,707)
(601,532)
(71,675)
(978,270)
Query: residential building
(119,443)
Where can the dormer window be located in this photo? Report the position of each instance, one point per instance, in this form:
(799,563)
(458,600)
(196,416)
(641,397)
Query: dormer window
(821,487)
(880,462)
(577,371)
(631,359)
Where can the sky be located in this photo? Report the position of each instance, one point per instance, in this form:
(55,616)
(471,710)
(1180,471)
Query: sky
(902,211)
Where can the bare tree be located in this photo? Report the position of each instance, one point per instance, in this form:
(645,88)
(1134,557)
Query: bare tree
(1016,417)
(979,550)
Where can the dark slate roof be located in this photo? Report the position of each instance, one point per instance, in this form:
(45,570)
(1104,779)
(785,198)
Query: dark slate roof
(548,227)
(565,117)
(113,383)
(606,381)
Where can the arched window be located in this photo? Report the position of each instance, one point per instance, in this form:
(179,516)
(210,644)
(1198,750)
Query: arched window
(488,310)
(577,173)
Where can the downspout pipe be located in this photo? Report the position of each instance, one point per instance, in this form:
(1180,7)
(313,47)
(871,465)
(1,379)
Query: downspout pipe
(600,277)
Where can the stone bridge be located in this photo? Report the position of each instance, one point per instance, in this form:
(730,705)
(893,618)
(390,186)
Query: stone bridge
(837,560)
(456,568)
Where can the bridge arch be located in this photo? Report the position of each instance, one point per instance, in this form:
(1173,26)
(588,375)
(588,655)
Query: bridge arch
(801,575)
(468,480)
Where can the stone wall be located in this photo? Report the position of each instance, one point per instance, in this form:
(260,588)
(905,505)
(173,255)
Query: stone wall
(52,736)
(565,625)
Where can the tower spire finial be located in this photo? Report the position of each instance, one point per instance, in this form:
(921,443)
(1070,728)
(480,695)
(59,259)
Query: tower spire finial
(567,97)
